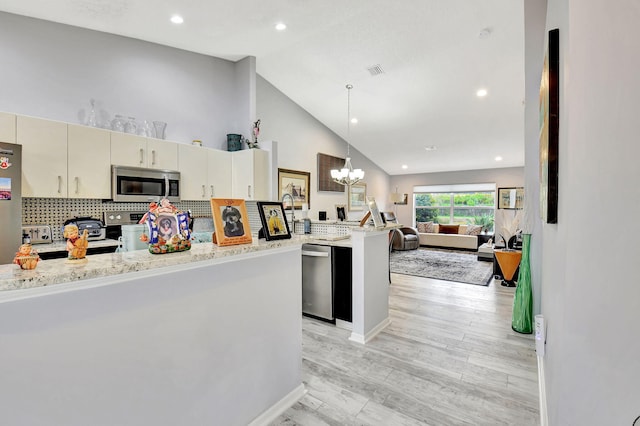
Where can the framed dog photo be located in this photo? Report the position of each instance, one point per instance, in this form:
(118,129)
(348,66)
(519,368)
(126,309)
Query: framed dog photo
(231,222)
(274,222)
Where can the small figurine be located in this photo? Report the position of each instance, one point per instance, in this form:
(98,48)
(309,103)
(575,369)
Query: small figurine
(26,257)
(256,131)
(76,244)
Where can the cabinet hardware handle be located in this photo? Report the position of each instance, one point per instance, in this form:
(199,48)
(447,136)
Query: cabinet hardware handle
(141,156)
(153,157)
(212,191)
(59,184)
(77,179)
(249,191)
(202,191)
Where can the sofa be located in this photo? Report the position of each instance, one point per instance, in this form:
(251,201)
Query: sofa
(463,237)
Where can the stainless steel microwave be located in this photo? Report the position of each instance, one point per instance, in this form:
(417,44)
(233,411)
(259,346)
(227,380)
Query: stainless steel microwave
(139,184)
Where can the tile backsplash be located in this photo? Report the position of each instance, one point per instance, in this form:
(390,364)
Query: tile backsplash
(55,211)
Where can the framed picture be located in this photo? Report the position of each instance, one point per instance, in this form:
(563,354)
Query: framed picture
(325,164)
(511,198)
(341,212)
(274,222)
(404,201)
(231,222)
(378,221)
(549,117)
(296,183)
(357,197)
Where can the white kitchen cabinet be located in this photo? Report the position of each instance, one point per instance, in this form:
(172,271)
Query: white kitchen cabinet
(138,151)
(250,174)
(192,164)
(204,173)
(44,156)
(89,162)
(7,127)
(220,185)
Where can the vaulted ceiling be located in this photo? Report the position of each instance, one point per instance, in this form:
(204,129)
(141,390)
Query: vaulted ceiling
(416,66)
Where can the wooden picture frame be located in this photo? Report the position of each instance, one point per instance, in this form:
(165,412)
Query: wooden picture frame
(405,200)
(274,221)
(231,222)
(511,198)
(341,212)
(325,164)
(296,183)
(357,197)
(549,117)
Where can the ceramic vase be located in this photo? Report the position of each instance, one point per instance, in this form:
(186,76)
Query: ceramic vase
(522,317)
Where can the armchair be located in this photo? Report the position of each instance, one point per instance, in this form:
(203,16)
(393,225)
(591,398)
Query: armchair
(404,238)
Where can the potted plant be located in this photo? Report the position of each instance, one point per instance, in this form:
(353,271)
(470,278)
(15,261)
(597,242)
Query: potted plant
(485,221)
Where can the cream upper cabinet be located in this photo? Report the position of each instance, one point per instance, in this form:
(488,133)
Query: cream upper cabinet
(250,174)
(192,164)
(162,154)
(7,127)
(204,173)
(89,162)
(220,185)
(137,151)
(44,156)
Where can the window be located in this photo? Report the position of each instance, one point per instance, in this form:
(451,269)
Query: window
(463,204)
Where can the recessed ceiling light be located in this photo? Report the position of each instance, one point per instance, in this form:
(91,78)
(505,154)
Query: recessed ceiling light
(481,93)
(498,158)
(404,166)
(430,148)
(280,26)
(354,120)
(177,19)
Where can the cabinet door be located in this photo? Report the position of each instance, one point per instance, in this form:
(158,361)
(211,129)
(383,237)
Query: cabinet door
(162,154)
(44,157)
(192,164)
(219,174)
(7,127)
(89,162)
(250,174)
(128,150)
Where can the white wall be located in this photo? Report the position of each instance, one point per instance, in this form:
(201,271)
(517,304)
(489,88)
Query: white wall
(505,177)
(301,137)
(589,285)
(51,70)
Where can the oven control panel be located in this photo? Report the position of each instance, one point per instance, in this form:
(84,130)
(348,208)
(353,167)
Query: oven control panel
(122,217)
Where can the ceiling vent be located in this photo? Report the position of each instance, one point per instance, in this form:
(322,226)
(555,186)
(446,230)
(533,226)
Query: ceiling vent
(375,70)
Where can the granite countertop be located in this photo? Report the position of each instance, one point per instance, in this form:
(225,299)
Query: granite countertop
(61,245)
(57,271)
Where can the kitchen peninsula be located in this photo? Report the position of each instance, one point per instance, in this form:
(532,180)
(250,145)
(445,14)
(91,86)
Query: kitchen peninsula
(208,336)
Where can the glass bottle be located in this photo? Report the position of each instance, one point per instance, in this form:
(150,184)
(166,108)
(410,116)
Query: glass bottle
(117,124)
(522,317)
(91,119)
(131,126)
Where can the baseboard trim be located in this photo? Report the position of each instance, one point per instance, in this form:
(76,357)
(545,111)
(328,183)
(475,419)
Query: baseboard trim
(542,389)
(345,325)
(272,413)
(359,338)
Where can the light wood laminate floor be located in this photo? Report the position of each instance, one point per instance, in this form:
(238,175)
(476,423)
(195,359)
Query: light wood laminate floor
(449,357)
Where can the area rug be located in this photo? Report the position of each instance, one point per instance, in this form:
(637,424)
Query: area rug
(449,265)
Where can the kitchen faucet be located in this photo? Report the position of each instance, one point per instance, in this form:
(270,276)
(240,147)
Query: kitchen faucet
(293,217)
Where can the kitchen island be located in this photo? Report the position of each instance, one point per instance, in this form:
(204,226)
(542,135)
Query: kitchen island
(208,336)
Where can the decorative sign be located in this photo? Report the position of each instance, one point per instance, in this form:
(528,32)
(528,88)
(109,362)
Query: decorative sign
(231,222)
(325,164)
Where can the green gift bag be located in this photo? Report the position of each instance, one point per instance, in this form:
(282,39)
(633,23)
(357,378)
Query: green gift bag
(522,317)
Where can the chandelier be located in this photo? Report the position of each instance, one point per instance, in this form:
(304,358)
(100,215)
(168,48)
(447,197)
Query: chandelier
(347,175)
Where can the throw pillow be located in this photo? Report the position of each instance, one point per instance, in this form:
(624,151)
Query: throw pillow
(474,229)
(424,227)
(448,229)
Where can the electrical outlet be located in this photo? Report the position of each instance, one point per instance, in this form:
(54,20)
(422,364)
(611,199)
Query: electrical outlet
(540,334)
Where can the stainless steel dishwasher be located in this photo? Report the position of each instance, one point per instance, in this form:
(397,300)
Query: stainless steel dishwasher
(317,285)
